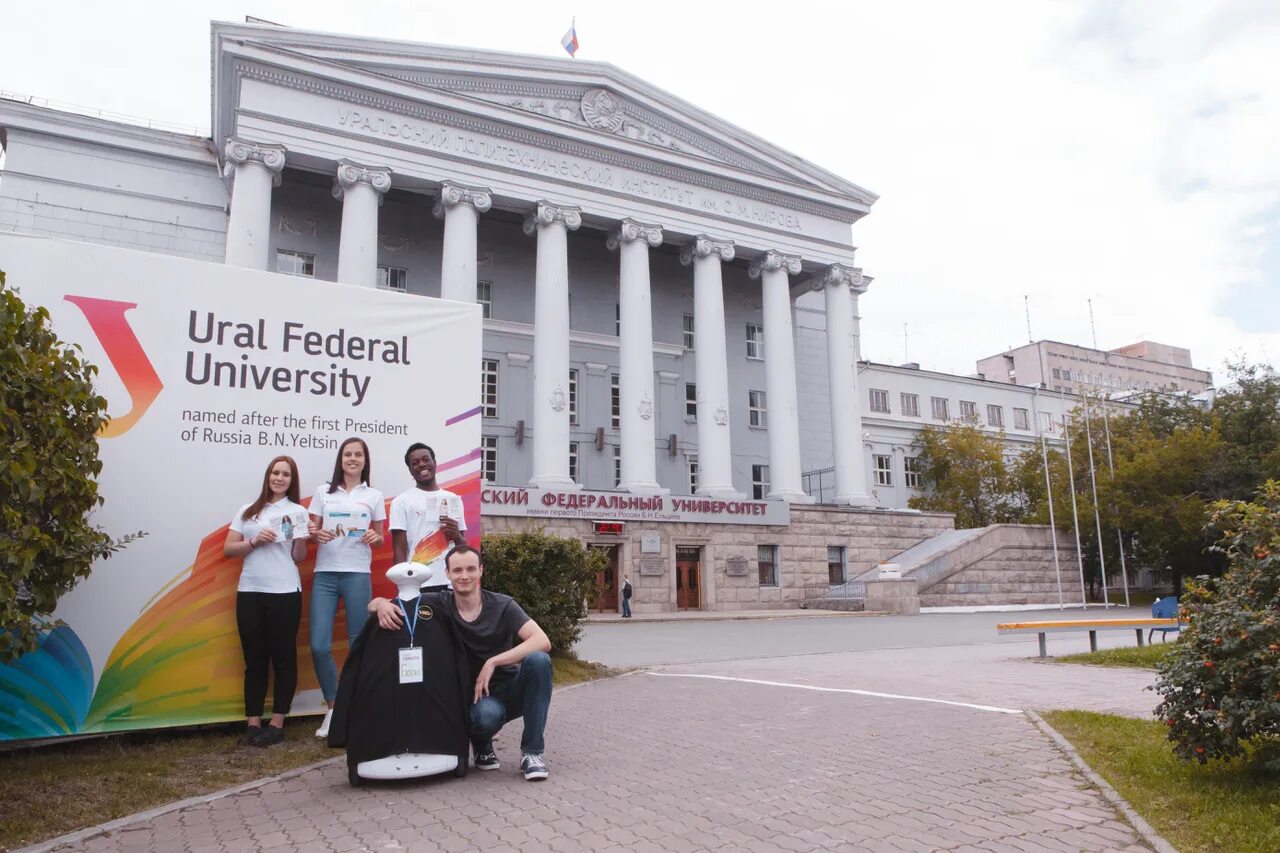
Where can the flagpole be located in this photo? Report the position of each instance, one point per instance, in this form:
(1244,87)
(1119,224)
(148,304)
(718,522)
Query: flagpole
(1097,517)
(1048,490)
(1111,468)
(1075,514)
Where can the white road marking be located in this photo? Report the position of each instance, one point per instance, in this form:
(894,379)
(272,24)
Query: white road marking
(993,708)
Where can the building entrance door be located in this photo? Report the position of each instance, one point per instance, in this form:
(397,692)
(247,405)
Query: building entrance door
(688,577)
(607,582)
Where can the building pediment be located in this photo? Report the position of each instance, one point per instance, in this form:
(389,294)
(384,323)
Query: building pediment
(590,102)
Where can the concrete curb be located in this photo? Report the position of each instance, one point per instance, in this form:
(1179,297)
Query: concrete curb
(138,817)
(730,616)
(1109,793)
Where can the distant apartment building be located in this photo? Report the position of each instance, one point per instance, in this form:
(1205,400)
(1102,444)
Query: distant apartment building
(1144,366)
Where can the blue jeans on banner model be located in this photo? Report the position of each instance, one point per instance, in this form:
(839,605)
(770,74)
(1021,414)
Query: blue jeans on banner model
(355,590)
(526,694)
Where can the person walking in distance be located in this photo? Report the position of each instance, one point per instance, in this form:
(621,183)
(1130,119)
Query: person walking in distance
(626,598)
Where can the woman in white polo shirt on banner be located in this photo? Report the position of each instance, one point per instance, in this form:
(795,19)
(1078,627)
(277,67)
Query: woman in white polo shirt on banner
(271,535)
(347,518)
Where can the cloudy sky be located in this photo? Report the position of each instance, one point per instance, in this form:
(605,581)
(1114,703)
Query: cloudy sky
(1124,152)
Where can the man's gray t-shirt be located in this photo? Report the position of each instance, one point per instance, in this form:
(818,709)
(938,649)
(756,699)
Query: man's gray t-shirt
(493,632)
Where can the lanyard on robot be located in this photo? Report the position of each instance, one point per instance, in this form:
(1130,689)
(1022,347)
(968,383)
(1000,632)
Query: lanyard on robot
(411,624)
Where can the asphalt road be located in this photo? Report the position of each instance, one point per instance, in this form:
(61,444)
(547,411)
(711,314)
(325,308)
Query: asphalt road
(630,644)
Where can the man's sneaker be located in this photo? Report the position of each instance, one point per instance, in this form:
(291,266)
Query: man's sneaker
(487,760)
(323,731)
(533,768)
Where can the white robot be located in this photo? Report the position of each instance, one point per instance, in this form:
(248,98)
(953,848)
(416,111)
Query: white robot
(408,578)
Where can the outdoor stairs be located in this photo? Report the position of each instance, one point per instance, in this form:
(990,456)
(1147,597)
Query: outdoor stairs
(1001,564)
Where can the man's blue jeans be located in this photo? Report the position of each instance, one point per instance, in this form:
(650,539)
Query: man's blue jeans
(354,588)
(626,607)
(526,694)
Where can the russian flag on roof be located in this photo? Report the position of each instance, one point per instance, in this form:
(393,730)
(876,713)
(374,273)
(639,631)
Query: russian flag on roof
(570,40)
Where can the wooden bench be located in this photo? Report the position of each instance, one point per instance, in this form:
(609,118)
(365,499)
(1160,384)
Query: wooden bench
(1093,626)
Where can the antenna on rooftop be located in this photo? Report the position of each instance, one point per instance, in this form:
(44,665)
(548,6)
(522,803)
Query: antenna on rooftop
(1093,329)
(1026,304)
(906,344)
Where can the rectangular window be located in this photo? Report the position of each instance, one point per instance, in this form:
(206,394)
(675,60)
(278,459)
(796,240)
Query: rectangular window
(615,402)
(879,401)
(912,474)
(573,461)
(1066,374)
(969,411)
(573,395)
(883,469)
(910,405)
(489,458)
(393,278)
(489,387)
(693,473)
(690,401)
(995,415)
(1057,373)
(759,482)
(940,410)
(757,414)
(1049,425)
(688,331)
(755,341)
(617,465)
(295,263)
(835,564)
(1021,419)
(484,295)
(767,558)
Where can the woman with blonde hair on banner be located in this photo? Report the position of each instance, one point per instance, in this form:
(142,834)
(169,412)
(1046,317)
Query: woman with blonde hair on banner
(347,519)
(269,595)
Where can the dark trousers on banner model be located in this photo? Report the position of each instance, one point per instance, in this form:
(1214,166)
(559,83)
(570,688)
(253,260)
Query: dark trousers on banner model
(268,624)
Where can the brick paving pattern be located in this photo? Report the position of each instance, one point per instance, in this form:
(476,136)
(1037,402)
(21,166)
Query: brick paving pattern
(671,764)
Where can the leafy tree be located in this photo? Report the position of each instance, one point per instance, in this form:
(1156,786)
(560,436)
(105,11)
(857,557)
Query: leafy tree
(1248,418)
(49,421)
(968,475)
(550,577)
(1221,683)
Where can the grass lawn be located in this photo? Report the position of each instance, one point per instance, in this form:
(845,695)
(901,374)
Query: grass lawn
(1229,808)
(1144,657)
(52,790)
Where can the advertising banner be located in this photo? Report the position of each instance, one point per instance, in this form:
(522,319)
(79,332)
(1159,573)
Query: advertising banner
(211,371)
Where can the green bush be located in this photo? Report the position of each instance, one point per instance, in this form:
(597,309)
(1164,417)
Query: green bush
(50,416)
(1221,684)
(550,577)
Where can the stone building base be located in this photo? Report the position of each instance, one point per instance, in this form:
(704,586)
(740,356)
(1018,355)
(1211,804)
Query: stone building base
(729,574)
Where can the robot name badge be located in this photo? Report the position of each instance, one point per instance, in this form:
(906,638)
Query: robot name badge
(411,665)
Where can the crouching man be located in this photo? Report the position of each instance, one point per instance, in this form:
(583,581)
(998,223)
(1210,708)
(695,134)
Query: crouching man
(507,652)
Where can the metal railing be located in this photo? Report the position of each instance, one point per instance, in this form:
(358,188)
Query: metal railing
(820,484)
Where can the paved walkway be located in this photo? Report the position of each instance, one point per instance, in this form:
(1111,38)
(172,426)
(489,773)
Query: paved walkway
(669,762)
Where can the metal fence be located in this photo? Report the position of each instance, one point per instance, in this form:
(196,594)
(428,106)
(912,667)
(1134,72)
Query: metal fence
(820,484)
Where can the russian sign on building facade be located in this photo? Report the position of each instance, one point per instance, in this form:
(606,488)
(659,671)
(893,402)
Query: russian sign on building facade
(619,506)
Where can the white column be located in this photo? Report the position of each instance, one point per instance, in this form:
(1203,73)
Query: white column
(550,407)
(460,207)
(715,463)
(635,352)
(839,284)
(256,169)
(360,188)
(774,270)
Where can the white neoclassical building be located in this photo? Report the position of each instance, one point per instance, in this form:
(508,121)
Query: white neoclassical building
(640,264)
